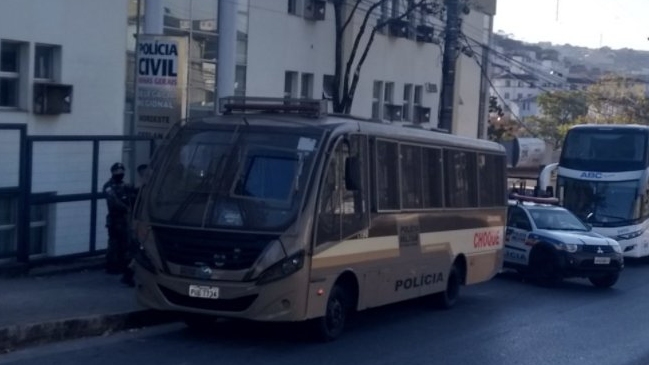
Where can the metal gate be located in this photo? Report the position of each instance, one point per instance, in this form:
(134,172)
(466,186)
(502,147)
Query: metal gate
(59,214)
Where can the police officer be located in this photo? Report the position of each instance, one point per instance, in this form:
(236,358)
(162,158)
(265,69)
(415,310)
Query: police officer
(120,197)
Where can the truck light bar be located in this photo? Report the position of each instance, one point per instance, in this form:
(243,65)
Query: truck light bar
(534,199)
(308,107)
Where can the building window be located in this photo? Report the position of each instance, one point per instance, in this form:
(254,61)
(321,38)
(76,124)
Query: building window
(389,111)
(306,89)
(294,7)
(10,61)
(395,8)
(407,102)
(508,83)
(377,92)
(44,59)
(290,84)
(328,87)
(7,226)
(506,96)
(418,113)
(240,81)
(388,93)
(520,96)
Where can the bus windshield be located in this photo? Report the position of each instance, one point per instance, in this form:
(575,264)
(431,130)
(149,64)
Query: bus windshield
(600,203)
(237,177)
(604,150)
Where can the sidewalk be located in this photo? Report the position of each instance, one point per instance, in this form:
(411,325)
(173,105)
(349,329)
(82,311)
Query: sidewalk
(59,306)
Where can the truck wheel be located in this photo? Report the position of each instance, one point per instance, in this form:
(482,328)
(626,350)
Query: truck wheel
(604,281)
(330,326)
(448,298)
(545,268)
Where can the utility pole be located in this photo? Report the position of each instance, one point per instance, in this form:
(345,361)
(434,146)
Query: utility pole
(449,63)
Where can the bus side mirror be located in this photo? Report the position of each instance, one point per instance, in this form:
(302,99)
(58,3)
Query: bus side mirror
(549,191)
(353,174)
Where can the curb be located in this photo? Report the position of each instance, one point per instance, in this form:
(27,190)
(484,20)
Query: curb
(18,270)
(19,336)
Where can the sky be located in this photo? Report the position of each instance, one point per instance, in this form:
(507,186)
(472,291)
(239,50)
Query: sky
(588,23)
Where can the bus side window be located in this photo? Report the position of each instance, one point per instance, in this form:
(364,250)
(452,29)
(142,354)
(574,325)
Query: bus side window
(343,212)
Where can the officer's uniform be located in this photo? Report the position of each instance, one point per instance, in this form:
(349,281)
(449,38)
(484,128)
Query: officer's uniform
(120,197)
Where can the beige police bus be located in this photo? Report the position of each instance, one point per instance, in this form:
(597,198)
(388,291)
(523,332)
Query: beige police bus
(278,211)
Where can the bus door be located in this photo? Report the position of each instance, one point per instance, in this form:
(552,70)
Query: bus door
(341,239)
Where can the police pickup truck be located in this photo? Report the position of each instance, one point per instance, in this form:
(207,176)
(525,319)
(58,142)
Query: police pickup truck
(549,243)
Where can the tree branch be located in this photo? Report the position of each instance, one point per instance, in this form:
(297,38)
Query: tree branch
(361,61)
(351,15)
(359,36)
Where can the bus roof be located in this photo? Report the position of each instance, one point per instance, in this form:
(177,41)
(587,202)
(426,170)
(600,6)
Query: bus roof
(349,123)
(611,126)
(313,113)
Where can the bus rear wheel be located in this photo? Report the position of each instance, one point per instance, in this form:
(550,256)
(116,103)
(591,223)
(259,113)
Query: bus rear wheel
(449,297)
(330,326)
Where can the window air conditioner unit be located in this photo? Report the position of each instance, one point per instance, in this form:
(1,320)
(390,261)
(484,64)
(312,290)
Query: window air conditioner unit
(430,87)
(392,112)
(315,9)
(52,99)
(399,28)
(425,34)
(422,115)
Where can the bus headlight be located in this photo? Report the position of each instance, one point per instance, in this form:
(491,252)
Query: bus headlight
(629,236)
(283,268)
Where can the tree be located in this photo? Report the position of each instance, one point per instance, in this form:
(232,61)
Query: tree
(500,127)
(348,68)
(560,110)
(617,100)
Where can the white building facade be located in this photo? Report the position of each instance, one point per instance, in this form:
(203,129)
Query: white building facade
(61,73)
(285,50)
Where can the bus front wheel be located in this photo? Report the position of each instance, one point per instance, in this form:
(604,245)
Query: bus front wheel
(331,325)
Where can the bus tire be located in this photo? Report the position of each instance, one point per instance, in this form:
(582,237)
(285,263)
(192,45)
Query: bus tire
(604,281)
(330,326)
(449,297)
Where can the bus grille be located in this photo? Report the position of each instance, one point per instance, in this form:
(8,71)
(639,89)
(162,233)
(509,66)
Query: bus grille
(223,251)
(226,305)
(594,249)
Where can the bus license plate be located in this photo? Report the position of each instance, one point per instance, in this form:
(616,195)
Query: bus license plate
(207,292)
(602,260)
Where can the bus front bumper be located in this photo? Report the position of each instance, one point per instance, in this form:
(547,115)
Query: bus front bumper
(275,301)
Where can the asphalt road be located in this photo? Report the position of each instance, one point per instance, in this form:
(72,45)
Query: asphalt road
(504,321)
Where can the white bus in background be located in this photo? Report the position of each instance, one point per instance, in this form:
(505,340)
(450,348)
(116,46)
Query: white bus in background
(602,177)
